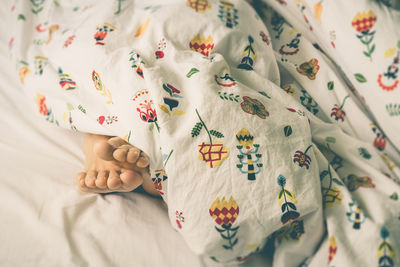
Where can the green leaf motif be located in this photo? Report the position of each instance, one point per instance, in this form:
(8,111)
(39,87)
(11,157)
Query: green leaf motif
(331,85)
(372,49)
(283,207)
(280,194)
(287,130)
(337,181)
(191,72)
(330,139)
(360,78)
(287,192)
(323,174)
(394,196)
(216,134)
(196,129)
(70,107)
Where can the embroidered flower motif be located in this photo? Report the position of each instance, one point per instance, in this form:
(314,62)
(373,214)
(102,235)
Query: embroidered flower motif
(386,252)
(338,112)
(356,216)
(254,107)
(309,68)
(199,5)
(332,248)
(354,182)
(146,109)
(332,196)
(302,158)
(201,44)
(249,56)
(380,139)
(224,214)
(179,219)
(41,102)
(98,84)
(308,102)
(363,23)
(213,154)
(101,32)
(248,150)
(43,110)
(161,176)
(289,89)
(287,200)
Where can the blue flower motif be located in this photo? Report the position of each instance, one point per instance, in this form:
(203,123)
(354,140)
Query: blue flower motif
(308,102)
(281,180)
(384,232)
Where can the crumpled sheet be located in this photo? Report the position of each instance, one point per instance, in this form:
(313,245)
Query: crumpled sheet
(255,131)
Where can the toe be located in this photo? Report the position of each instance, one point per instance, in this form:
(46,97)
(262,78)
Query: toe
(101,181)
(143,161)
(130,180)
(104,150)
(90,179)
(121,152)
(80,181)
(114,181)
(133,155)
(116,141)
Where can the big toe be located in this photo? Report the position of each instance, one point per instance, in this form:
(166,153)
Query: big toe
(130,179)
(104,150)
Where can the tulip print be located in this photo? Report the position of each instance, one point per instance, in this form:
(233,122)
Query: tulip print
(200,44)
(225,214)
(145,108)
(363,23)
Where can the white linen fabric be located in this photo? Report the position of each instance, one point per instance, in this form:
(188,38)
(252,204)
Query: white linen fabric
(237,159)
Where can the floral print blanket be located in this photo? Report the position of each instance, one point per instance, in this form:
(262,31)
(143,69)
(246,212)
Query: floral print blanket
(270,122)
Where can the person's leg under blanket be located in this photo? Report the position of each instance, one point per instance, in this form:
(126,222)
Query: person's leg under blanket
(227,146)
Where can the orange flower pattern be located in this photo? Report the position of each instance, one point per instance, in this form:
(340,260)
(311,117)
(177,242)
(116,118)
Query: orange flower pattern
(309,68)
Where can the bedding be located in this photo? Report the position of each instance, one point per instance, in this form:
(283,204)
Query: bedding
(46,221)
(298,167)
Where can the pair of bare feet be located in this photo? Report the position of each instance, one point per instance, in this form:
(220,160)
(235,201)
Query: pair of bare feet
(113,165)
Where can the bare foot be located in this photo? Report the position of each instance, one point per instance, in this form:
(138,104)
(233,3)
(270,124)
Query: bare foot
(113,165)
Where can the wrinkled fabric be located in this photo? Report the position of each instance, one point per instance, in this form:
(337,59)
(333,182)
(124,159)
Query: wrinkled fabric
(256,130)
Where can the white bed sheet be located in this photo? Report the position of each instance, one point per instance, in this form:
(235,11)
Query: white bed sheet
(46,221)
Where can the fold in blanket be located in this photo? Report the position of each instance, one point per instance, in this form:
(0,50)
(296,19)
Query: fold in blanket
(259,127)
